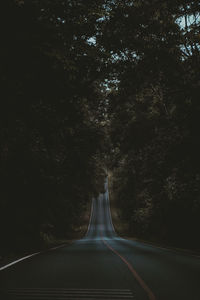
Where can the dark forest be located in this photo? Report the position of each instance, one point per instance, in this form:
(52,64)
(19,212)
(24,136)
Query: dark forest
(90,87)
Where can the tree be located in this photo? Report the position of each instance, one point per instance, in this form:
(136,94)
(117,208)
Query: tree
(50,141)
(153,115)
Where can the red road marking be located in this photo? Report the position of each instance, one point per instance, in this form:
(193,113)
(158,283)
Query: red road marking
(135,274)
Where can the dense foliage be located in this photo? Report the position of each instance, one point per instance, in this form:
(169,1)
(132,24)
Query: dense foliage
(154,116)
(51,140)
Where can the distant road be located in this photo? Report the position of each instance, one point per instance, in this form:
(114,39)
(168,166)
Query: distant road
(103,266)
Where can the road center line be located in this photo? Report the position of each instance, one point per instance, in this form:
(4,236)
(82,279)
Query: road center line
(135,274)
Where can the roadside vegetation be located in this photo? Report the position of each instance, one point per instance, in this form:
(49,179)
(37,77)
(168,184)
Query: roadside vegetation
(154,118)
(51,135)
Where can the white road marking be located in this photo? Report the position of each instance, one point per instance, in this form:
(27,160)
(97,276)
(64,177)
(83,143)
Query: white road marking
(16,261)
(31,255)
(57,247)
(71,289)
(60,293)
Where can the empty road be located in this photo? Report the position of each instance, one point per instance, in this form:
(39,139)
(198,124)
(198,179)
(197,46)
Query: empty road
(103,266)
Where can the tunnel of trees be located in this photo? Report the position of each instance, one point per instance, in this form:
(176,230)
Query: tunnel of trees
(90,85)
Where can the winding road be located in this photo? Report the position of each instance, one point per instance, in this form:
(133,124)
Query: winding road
(103,266)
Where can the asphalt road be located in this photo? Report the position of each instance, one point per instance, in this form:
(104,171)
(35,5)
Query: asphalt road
(103,266)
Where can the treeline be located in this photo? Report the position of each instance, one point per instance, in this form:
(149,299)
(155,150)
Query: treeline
(51,134)
(154,118)
(84,82)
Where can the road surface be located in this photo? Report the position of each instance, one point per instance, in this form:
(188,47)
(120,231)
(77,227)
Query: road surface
(103,266)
